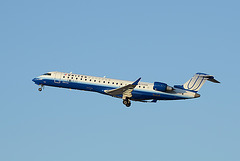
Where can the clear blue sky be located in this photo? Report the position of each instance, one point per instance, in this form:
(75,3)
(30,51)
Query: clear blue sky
(156,40)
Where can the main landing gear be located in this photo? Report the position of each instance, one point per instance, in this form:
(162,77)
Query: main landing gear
(41,88)
(127,102)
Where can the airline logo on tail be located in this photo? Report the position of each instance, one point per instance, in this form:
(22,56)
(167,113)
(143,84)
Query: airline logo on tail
(197,81)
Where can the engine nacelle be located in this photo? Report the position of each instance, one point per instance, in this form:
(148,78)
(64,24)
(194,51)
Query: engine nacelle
(163,87)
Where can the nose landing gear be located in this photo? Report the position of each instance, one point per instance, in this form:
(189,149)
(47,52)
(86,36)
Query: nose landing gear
(41,88)
(127,102)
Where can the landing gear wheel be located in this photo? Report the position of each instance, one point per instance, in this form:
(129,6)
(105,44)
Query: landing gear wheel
(127,102)
(40,89)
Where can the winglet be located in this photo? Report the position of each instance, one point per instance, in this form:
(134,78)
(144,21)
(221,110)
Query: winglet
(136,82)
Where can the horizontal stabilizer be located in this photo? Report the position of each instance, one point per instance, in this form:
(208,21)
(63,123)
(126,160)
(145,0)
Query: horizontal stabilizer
(213,80)
(209,78)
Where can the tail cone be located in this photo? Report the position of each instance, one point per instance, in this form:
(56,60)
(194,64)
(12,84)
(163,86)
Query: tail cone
(196,95)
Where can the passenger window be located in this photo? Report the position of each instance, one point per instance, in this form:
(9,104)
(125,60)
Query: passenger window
(103,81)
(116,83)
(112,82)
(94,80)
(63,76)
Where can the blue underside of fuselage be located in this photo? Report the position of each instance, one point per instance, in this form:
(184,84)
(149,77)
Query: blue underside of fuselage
(137,95)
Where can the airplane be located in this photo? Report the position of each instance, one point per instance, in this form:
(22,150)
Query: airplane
(126,90)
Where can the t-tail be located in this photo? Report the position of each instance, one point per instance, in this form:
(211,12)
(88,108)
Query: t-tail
(196,82)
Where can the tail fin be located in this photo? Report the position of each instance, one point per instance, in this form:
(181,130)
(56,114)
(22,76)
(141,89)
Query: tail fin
(197,81)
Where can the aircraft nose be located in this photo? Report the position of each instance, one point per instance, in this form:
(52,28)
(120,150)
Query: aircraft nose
(34,79)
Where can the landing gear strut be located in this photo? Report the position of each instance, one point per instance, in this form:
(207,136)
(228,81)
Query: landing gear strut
(127,102)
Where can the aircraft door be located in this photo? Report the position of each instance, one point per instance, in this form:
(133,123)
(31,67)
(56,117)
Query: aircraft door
(57,77)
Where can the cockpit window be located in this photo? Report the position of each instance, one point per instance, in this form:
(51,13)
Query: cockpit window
(47,74)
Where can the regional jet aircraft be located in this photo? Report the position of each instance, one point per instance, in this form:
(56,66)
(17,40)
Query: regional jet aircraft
(126,90)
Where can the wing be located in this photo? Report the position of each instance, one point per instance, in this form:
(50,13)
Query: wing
(125,91)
